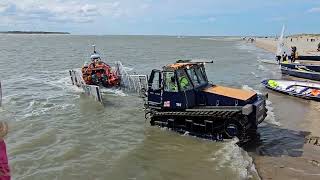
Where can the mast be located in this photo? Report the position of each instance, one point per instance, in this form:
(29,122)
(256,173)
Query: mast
(280,42)
(94,48)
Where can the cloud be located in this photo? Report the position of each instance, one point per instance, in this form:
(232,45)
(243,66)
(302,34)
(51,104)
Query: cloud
(46,10)
(314,10)
(210,19)
(277,19)
(115,16)
(85,11)
(71,11)
(193,20)
(3,7)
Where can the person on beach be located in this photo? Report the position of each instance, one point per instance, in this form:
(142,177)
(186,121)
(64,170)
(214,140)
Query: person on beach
(284,57)
(4,165)
(318,47)
(278,59)
(294,54)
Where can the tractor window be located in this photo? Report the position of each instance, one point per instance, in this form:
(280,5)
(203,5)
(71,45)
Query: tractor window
(184,81)
(156,81)
(203,72)
(194,78)
(201,76)
(170,83)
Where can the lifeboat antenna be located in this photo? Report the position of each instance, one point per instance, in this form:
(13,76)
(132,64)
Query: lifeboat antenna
(94,48)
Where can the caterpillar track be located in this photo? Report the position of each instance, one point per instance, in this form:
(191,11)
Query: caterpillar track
(215,125)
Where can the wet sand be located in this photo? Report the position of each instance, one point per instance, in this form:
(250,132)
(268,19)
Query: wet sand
(304,165)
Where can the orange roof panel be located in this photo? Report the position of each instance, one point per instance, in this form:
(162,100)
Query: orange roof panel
(231,92)
(178,65)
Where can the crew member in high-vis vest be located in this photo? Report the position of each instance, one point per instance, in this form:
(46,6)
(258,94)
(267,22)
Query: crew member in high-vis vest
(173,85)
(184,83)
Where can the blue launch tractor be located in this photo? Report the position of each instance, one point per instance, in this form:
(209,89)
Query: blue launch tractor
(180,97)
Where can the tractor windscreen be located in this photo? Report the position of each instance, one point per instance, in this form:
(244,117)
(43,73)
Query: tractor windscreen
(170,83)
(201,76)
(197,77)
(183,80)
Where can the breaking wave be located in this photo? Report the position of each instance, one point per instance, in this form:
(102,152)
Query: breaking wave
(271,118)
(262,68)
(114,91)
(231,155)
(246,46)
(247,87)
(255,75)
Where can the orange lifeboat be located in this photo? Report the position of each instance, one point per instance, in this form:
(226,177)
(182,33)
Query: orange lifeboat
(99,73)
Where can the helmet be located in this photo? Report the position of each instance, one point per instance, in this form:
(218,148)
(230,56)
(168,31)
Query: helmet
(85,64)
(95,56)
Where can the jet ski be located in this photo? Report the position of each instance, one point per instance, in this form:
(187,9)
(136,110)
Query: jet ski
(302,89)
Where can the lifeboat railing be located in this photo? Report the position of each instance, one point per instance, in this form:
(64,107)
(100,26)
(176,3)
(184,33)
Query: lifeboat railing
(89,90)
(136,83)
(76,78)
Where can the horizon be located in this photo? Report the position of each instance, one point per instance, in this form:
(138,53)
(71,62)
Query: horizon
(168,18)
(173,35)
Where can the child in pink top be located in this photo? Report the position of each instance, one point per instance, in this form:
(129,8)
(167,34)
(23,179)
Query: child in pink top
(4,165)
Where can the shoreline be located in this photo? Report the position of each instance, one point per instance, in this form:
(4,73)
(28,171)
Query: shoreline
(306,165)
(303,43)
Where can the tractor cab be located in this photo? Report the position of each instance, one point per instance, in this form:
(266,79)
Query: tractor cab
(176,86)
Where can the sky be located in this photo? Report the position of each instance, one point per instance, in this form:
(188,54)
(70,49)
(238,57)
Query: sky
(162,17)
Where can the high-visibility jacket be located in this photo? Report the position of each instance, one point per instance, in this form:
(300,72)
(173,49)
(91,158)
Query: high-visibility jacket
(183,82)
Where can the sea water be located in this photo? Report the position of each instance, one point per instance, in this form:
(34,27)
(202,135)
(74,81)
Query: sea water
(58,133)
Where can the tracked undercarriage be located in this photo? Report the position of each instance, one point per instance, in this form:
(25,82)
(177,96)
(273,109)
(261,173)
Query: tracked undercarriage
(211,124)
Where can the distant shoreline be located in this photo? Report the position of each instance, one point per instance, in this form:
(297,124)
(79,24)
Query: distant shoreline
(31,32)
(304,35)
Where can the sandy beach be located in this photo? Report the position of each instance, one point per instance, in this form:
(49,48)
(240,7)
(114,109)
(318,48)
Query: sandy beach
(304,45)
(306,165)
